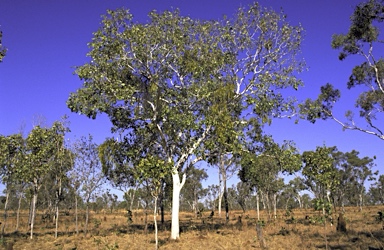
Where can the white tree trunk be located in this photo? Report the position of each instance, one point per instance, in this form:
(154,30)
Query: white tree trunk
(33,215)
(58,194)
(18,213)
(5,211)
(220,193)
(155,222)
(177,185)
(298,198)
(258,206)
(274,206)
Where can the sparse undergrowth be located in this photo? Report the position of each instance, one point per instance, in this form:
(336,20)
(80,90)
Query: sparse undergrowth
(301,230)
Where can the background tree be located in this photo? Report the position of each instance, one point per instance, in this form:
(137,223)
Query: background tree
(241,195)
(376,191)
(261,166)
(87,174)
(320,173)
(361,172)
(59,175)
(193,189)
(211,200)
(363,36)
(118,168)
(157,79)
(12,155)
(2,49)
(42,154)
(293,189)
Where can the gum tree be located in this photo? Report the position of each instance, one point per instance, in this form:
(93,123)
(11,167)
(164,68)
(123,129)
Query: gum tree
(321,175)
(41,154)
(12,155)
(87,174)
(262,164)
(156,81)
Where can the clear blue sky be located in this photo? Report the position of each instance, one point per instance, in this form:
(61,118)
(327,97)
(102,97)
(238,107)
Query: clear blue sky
(47,38)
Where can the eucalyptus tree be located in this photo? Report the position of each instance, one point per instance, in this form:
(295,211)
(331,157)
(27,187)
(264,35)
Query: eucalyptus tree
(212,196)
(59,174)
(320,174)
(86,174)
(376,191)
(363,39)
(361,171)
(241,194)
(153,170)
(294,187)
(193,189)
(262,164)
(41,154)
(118,168)
(12,155)
(158,78)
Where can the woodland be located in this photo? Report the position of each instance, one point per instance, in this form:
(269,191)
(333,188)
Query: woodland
(178,92)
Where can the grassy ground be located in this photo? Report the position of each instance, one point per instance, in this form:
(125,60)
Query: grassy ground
(109,231)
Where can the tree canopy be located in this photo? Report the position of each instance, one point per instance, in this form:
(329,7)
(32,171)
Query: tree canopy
(3,50)
(362,37)
(161,83)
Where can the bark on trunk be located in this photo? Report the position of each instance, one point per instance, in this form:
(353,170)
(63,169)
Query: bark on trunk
(177,186)
(5,212)
(274,206)
(58,195)
(86,219)
(226,199)
(33,213)
(258,206)
(221,193)
(18,213)
(76,217)
(155,223)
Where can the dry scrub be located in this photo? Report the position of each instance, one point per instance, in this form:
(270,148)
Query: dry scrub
(289,231)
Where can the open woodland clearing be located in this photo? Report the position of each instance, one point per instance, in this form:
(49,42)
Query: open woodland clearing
(289,231)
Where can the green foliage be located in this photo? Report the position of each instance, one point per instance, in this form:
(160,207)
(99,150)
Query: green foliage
(12,155)
(3,50)
(362,37)
(176,87)
(322,205)
(43,149)
(170,81)
(319,170)
(86,174)
(376,191)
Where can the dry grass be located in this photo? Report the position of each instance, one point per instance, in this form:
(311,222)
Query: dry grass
(110,231)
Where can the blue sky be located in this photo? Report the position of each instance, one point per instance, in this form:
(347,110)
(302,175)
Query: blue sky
(47,38)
